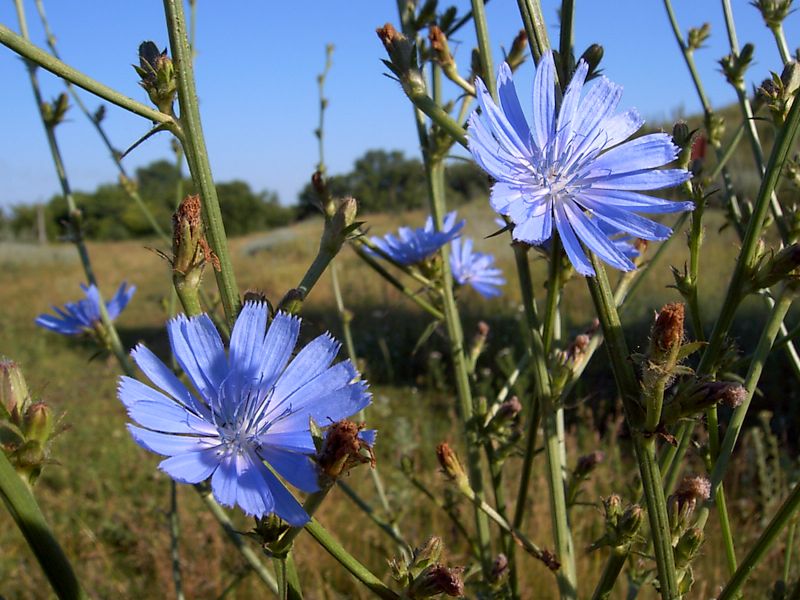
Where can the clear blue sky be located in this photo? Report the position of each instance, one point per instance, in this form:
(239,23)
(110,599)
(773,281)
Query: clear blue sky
(256,69)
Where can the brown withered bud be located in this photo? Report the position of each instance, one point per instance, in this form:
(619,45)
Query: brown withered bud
(588,463)
(344,448)
(701,396)
(516,55)
(450,464)
(667,332)
(550,560)
(437,579)
(402,54)
(190,250)
(509,409)
(682,503)
(499,568)
(441,50)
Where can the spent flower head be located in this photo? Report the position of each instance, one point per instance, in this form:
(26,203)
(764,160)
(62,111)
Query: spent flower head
(412,246)
(84,315)
(475,269)
(573,170)
(250,406)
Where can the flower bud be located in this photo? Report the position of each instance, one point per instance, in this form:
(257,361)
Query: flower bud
(402,53)
(773,11)
(516,56)
(687,546)
(701,396)
(190,250)
(735,65)
(435,580)
(439,46)
(588,463)
(53,112)
(681,134)
(428,554)
(499,568)
(592,56)
(775,268)
(37,423)
(698,35)
(508,410)
(629,523)
(157,76)
(681,505)
(14,395)
(345,446)
(613,509)
(450,464)
(667,334)
(715,126)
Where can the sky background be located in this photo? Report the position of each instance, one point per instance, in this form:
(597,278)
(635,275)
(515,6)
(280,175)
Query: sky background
(256,71)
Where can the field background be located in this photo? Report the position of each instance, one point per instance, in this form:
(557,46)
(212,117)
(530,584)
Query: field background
(108,503)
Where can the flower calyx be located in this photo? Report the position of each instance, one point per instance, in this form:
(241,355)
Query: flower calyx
(157,74)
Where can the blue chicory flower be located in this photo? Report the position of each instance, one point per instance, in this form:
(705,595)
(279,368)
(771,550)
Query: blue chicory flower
(412,246)
(475,269)
(83,315)
(574,168)
(249,407)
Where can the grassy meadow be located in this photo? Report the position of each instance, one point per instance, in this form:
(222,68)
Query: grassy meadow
(108,503)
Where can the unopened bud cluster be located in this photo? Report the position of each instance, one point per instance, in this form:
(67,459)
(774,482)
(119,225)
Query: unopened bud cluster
(403,62)
(734,66)
(774,12)
(778,92)
(772,268)
(697,36)
(424,575)
(53,112)
(157,76)
(26,427)
(621,524)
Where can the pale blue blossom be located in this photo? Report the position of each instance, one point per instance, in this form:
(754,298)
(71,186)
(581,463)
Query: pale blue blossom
(81,316)
(475,269)
(572,169)
(248,414)
(412,246)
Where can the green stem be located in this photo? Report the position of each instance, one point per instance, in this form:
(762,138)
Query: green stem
(764,543)
(337,551)
(389,528)
(614,565)
(567,15)
(484,47)
(644,446)
(174,538)
(197,156)
(435,175)
(533,19)
(780,40)
(378,268)
(48,62)
(236,539)
(31,522)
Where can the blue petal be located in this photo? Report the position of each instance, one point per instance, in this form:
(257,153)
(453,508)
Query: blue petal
(567,116)
(62,326)
(309,362)
(278,345)
(544,100)
(247,342)
(595,239)
(170,444)
(225,481)
(368,436)
(294,441)
(509,103)
(191,467)
(297,469)
(199,351)
(165,415)
(120,300)
(326,409)
(635,201)
(253,493)
(286,506)
(627,221)
(642,180)
(538,226)
(620,127)
(92,308)
(164,378)
(598,104)
(503,131)
(330,379)
(646,152)
(571,244)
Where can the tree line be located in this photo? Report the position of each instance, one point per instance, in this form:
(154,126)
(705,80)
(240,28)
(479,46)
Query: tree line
(381,181)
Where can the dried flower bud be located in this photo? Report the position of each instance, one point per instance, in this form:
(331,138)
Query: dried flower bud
(439,46)
(402,58)
(516,56)
(683,502)
(346,445)
(450,464)
(435,580)
(499,568)
(701,396)
(667,332)
(190,250)
(14,395)
(157,76)
(588,463)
